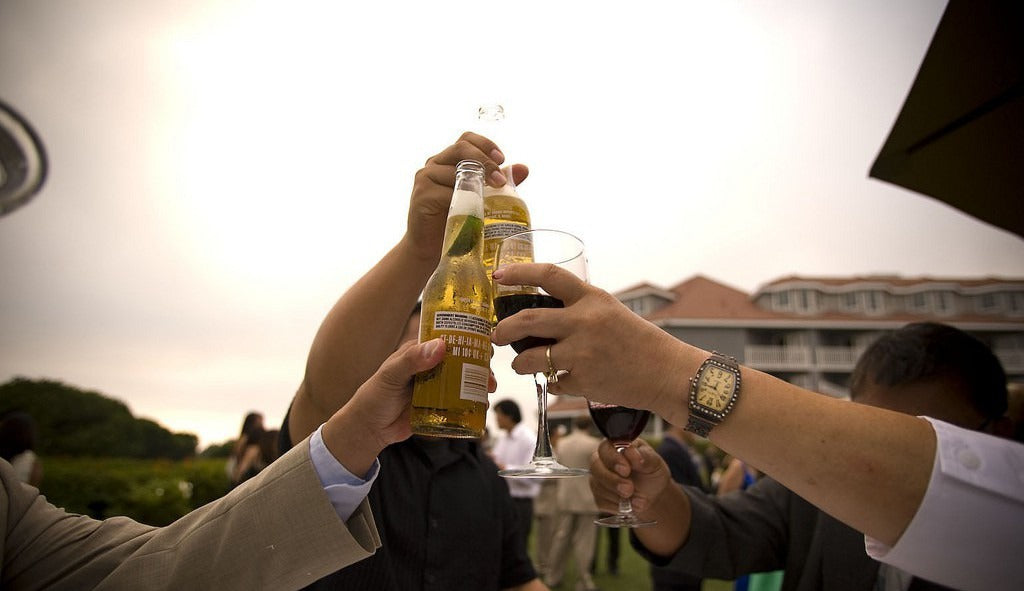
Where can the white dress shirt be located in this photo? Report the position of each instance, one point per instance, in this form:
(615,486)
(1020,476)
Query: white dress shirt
(968,532)
(515,450)
(344,489)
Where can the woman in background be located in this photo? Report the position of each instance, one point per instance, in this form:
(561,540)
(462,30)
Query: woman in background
(17,444)
(245,461)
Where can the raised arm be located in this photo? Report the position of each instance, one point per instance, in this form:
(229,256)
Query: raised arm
(365,324)
(831,452)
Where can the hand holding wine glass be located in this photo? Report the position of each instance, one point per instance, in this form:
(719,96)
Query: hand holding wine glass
(620,425)
(565,251)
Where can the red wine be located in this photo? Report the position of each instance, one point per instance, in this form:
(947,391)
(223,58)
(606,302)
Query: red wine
(508,305)
(620,424)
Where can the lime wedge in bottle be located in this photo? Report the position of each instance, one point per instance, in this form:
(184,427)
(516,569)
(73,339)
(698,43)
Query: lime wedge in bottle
(467,237)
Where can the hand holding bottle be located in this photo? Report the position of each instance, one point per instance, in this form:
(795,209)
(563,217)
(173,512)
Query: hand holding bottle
(378,413)
(432,190)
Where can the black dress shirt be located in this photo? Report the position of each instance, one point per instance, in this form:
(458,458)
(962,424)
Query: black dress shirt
(446,522)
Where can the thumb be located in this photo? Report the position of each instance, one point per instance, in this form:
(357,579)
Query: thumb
(409,360)
(642,457)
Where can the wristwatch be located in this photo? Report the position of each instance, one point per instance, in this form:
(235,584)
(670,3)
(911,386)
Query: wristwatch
(713,393)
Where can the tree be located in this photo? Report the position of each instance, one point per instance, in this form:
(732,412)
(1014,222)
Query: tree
(75,422)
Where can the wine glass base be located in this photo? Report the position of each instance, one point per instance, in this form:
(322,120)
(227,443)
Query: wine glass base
(623,521)
(545,469)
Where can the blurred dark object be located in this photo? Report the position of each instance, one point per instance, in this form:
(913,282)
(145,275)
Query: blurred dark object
(960,135)
(22,161)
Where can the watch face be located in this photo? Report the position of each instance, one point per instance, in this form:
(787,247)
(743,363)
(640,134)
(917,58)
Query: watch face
(715,387)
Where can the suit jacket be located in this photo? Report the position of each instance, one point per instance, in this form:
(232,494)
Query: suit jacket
(574,450)
(768,527)
(241,541)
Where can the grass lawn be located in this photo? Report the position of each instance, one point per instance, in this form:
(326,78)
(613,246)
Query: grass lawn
(633,575)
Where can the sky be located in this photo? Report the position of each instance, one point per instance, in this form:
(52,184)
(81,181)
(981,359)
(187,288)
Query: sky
(221,171)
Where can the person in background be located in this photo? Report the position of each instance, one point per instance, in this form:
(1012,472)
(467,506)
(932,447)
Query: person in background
(446,519)
(514,449)
(576,511)
(245,461)
(545,514)
(737,475)
(17,446)
(949,504)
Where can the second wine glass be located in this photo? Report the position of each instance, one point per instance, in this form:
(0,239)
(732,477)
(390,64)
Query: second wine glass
(620,425)
(563,250)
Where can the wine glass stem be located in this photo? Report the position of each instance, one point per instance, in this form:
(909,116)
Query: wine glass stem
(543,449)
(625,505)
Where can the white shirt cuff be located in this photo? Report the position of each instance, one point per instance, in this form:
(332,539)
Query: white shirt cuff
(344,489)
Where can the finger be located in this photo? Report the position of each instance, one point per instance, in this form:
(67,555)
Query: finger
(470,146)
(534,359)
(648,458)
(518,172)
(485,145)
(558,282)
(539,323)
(605,484)
(613,459)
(410,359)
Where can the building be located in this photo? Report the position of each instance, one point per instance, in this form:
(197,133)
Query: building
(811,330)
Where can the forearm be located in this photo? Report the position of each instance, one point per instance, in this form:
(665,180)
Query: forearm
(830,452)
(671,512)
(359,332)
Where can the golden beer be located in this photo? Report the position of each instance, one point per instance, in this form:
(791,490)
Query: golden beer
(451,399)
(505,213)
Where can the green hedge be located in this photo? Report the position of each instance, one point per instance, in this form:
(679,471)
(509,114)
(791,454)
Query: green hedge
(155,492)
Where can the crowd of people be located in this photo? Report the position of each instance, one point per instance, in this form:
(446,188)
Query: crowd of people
(845,495)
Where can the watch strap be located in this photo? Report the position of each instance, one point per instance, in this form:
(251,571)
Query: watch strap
(698,425)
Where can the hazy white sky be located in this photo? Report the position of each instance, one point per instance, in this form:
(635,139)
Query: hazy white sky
(221,171)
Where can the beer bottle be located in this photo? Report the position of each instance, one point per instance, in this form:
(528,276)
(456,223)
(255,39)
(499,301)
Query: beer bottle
(505,213)
(450,400)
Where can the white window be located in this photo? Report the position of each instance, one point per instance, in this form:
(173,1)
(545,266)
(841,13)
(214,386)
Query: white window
(782,300)
(987,303)
(943,302)
(919,302)
(874,302)
(1016,303)
(806,300)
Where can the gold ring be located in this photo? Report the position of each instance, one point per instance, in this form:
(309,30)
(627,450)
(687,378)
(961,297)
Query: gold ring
(552,372)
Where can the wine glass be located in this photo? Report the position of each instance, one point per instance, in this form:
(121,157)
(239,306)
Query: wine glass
(620,425)
(563,250)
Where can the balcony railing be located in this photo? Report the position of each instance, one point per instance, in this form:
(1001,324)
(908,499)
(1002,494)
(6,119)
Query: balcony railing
(837,358)
(778,358)
(841,359)
(824,358)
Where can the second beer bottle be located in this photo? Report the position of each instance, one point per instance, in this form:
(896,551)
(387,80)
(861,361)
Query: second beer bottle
(451,399)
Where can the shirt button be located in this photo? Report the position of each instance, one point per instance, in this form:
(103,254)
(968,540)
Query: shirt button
(968,459)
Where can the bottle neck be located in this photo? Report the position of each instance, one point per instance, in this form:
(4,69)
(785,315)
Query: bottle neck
(464,232)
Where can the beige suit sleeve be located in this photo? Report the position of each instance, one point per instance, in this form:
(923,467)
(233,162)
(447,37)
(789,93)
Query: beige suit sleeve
(276,531)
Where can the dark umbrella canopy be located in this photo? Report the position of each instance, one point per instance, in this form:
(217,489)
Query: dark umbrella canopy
(960,135)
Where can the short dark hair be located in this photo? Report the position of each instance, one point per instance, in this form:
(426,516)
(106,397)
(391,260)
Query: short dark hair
(924,350)
(509,408)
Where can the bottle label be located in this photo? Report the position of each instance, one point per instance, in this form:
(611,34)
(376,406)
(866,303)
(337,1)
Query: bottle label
(502,229)
(467,340)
